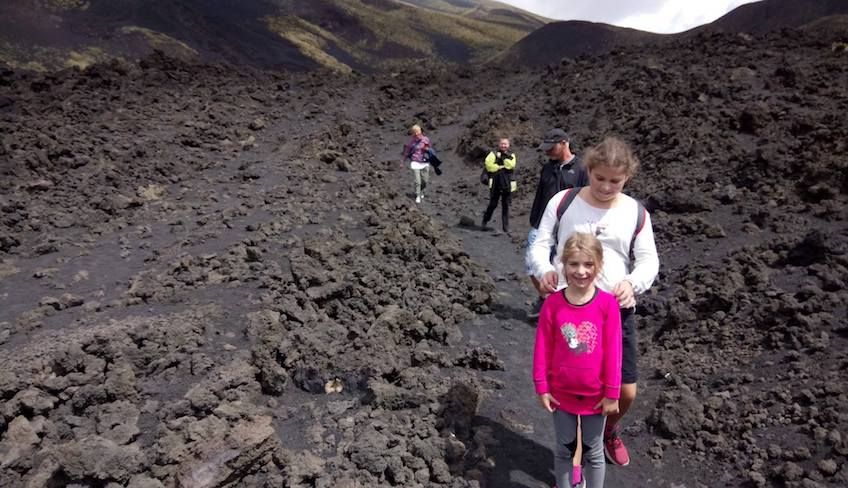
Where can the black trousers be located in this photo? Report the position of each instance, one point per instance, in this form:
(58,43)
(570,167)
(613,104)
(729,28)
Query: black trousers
(505,197)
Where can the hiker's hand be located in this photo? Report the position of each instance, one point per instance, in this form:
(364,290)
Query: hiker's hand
(623,291)
(608,406)
(548,402)
(549,282)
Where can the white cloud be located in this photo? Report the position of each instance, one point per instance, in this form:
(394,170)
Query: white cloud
(679,15)
(663,16)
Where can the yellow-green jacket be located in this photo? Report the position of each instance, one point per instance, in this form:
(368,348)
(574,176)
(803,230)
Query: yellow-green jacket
(500,167)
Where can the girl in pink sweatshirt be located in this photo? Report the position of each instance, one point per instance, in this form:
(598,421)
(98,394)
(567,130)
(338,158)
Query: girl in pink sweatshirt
(577,361)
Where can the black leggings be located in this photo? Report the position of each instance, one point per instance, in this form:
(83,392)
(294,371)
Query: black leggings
(505,197)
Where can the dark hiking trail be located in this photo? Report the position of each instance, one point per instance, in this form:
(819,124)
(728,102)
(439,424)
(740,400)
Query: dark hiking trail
(217,276)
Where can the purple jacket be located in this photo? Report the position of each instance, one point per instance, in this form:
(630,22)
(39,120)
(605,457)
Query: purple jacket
(415,149)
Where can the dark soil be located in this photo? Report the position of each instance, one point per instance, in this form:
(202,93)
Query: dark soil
(216,276)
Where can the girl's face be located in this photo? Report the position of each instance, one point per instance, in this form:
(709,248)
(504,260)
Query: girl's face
(580,270)
(605,182)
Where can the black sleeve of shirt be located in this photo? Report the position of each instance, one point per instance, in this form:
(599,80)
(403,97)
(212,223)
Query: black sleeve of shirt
(538,204)
(584,177)
(582,174)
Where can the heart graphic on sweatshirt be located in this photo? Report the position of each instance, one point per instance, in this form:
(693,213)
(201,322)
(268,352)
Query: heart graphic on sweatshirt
(587,334)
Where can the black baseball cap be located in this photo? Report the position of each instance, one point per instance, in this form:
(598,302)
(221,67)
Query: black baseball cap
(552,137)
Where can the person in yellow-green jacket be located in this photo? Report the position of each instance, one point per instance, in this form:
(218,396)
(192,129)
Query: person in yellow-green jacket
(500,165)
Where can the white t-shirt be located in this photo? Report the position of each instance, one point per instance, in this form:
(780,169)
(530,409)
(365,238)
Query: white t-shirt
(614,227)
(418,165)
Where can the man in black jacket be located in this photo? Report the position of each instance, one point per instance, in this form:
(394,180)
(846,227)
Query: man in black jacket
(563,170)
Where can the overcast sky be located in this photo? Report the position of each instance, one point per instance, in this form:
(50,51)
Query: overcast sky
(662,16)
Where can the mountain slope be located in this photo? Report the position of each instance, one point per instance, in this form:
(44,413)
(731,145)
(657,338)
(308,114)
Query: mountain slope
(340,34)
(570,39)
(488,10)
(50,34)
(377,32)
(768,15)
(833,24)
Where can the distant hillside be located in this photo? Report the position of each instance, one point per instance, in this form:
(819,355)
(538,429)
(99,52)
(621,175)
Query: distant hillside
(570,39)
(487,10)
(833,25)
(341,34)
(768,15)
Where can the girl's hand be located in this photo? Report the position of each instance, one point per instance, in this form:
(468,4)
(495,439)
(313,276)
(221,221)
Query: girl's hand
(623,291)
(548,401)
(608,406)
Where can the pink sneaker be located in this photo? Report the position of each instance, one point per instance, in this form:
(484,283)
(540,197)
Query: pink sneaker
(577,480)
(614,447)
(580,484)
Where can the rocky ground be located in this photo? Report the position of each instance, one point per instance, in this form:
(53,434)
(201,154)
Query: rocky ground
(216,276)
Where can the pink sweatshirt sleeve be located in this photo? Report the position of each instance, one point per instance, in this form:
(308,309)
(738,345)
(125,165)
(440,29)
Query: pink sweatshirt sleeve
(543,350)
(611,375)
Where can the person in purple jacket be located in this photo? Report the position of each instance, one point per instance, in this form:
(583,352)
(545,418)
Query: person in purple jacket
(577,362)
(415,151)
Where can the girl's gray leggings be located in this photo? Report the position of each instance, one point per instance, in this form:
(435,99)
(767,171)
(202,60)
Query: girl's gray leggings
(422,179)
(594,464)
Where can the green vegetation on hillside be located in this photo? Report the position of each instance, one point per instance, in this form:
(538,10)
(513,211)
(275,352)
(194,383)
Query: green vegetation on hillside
(47,58)
(60,5)
(41,58)
(310,39)
(410,28)
(17,58)
(86,57)
(438,6)
(416,28)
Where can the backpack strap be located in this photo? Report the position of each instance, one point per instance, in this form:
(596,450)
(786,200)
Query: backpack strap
(571,194)
(566,200)
(641,217)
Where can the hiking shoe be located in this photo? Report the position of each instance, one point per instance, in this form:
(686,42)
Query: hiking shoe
(582,484)
(533,313)
(577,479)
(417,199)
(614,448)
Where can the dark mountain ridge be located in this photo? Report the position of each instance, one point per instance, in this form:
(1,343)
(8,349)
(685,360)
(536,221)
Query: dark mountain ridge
(768,15)
(569,39)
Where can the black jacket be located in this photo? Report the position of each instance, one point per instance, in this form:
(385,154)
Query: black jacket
(500,167)
(554,178)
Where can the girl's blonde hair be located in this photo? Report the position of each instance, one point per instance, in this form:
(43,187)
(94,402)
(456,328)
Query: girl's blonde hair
(585,243)
(614,153)
(415,129)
